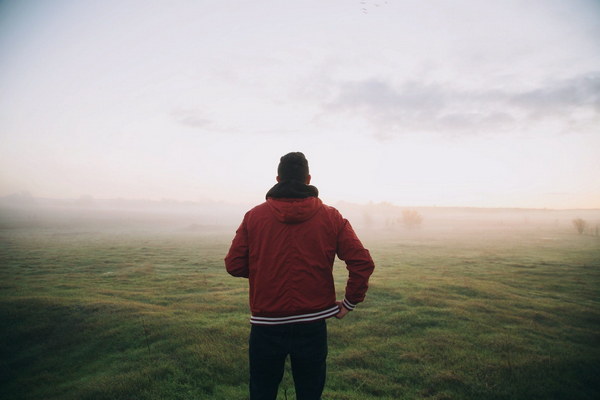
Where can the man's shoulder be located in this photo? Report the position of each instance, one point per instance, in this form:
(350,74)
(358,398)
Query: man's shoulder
(332,212)
(330,209)
(258,208)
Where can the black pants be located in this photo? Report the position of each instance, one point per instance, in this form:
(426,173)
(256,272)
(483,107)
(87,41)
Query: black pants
(306,343)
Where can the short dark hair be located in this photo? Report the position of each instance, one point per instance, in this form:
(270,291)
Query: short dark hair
(293,166)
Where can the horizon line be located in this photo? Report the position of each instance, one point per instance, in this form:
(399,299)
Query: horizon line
(89,199)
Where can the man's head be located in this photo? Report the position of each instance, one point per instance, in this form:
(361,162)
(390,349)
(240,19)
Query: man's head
(293,166)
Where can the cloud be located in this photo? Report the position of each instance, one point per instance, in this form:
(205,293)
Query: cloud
(417,107)
(580,92)
(191,118)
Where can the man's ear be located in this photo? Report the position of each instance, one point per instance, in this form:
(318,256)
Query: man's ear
(308,180)
(278,178)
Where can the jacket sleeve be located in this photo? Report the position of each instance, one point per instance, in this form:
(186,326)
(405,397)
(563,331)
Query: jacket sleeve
(236,261)
(358,262)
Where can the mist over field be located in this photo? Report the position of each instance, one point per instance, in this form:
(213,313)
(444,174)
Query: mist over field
(86,213)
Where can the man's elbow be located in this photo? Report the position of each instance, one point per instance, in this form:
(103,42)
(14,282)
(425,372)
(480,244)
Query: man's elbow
(235,269)
(238,273)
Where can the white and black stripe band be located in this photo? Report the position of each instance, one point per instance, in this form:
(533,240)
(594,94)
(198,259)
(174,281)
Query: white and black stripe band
(330,312)
(348,305)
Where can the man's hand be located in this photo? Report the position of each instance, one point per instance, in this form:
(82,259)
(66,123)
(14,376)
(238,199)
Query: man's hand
(343,310)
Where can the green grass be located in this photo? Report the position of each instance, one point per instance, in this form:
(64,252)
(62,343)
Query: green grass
(480,315)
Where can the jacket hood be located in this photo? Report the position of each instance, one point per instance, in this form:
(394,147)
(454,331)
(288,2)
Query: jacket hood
(293,211)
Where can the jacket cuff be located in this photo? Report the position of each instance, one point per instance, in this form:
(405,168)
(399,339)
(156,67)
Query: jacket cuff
(347,305)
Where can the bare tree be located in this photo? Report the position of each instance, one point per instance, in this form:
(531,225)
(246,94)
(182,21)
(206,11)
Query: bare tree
(411,218)
(580,225)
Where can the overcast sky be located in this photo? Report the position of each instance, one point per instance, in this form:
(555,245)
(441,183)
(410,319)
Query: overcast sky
(448,103)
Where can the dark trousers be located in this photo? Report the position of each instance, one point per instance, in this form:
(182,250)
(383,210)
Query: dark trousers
(306,344)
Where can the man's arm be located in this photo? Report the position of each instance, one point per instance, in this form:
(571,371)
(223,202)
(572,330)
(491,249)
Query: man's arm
(236,261)
(359,264)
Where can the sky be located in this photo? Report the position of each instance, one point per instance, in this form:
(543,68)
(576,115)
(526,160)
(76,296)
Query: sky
(469,103)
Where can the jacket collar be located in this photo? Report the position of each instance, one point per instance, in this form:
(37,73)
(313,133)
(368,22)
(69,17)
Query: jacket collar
(292,190)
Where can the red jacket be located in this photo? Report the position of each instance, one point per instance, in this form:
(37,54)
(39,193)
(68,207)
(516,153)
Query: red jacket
(286,247)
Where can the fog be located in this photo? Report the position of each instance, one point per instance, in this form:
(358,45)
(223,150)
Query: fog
(24,213)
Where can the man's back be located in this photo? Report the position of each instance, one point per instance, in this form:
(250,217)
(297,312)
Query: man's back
(286,246)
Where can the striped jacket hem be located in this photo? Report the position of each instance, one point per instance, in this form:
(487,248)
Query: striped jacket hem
(330,312)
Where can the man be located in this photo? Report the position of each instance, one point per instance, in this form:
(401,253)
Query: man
(286,246)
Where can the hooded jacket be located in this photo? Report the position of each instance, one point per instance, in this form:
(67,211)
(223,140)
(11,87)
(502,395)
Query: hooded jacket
(286,246)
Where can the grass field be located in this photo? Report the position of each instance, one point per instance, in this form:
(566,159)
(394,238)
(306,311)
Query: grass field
(480,314)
